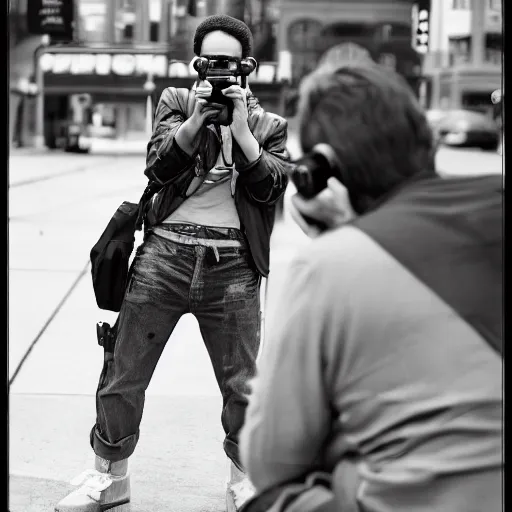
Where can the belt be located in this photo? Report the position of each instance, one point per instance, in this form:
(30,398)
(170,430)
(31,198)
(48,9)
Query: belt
(211,232)
(191,240)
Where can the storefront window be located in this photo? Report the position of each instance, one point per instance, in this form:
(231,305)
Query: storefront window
(125,22)
(461,5)
(494,48)
(304,44)
(92,18)
(155,19)
(459,49)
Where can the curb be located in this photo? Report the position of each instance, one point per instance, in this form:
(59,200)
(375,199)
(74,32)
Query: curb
(29,151)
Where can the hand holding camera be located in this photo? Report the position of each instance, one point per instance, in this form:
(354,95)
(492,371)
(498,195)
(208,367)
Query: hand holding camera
(240,113)
(204,89)
(329,209)
(322,202)
(205,110)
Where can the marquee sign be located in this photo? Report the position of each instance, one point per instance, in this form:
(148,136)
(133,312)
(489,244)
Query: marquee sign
(130,65)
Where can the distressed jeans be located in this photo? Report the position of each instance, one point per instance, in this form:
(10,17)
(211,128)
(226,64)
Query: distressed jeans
(168,279)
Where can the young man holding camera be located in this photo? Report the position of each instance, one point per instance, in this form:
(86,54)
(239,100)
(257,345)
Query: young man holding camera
(220,160)
(380,386)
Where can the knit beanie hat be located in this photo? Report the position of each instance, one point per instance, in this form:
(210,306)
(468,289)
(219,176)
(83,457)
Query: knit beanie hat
(232,26)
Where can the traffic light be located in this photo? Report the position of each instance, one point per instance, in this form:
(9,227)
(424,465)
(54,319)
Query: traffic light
(421,26)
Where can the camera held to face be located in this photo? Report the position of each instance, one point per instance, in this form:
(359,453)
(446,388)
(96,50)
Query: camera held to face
(311,172)
(223,72)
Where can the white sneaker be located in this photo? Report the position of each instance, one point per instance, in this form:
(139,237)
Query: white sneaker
(242,492)
(98,491)
(239,489)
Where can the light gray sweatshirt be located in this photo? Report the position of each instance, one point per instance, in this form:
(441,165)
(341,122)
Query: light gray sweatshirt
(364,362)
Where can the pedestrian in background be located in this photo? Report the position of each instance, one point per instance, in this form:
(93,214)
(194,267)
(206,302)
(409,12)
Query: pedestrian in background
(221,165)
(380,386)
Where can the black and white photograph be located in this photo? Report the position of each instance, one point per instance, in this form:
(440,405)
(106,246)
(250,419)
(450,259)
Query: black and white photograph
(255,256)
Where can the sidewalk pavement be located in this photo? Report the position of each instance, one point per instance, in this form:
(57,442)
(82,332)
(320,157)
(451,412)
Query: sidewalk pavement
(58,162)
(25,166)
(179,464)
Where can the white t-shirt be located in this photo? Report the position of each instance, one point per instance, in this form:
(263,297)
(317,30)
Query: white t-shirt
(213,203)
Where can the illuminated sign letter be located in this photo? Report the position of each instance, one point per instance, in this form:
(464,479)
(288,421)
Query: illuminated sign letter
(144,64)
(159,65)
(178,69)
(123,64)
(62,63)
(46,61)
(103,64)
(83,64)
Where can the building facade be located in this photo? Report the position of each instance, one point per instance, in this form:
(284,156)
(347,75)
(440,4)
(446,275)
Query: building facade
(123,55)
(464,63)
(312,32)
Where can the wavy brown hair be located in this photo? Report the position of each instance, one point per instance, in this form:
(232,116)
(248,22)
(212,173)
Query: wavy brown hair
(374,123)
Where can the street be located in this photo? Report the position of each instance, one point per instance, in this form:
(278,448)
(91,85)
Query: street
(59,204)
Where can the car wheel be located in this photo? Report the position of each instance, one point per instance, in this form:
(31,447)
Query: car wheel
(489,146)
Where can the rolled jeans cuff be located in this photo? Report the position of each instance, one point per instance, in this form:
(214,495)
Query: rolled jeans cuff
(113,452)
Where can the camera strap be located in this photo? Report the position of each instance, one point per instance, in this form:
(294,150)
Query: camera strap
(226,143)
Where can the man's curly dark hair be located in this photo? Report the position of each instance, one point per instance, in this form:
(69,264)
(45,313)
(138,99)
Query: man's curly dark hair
(232,26)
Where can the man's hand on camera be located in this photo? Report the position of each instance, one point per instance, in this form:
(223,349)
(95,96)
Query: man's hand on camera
(240,113)
(240,126)
(204,89)
(204,112)
(331,207)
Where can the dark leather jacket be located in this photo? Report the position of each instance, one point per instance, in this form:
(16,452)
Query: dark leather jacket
(259,184)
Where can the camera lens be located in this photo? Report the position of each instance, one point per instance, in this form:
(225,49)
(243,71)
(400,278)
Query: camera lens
(310,174)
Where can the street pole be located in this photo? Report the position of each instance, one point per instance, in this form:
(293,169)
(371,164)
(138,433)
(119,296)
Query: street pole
(39,81)
(149,116)
(478,11)
(149,87)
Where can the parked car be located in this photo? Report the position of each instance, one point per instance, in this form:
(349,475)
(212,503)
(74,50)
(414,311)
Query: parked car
(465,128)
(434,116)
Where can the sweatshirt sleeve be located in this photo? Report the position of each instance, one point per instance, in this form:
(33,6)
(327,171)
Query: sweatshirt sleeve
(289,414)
